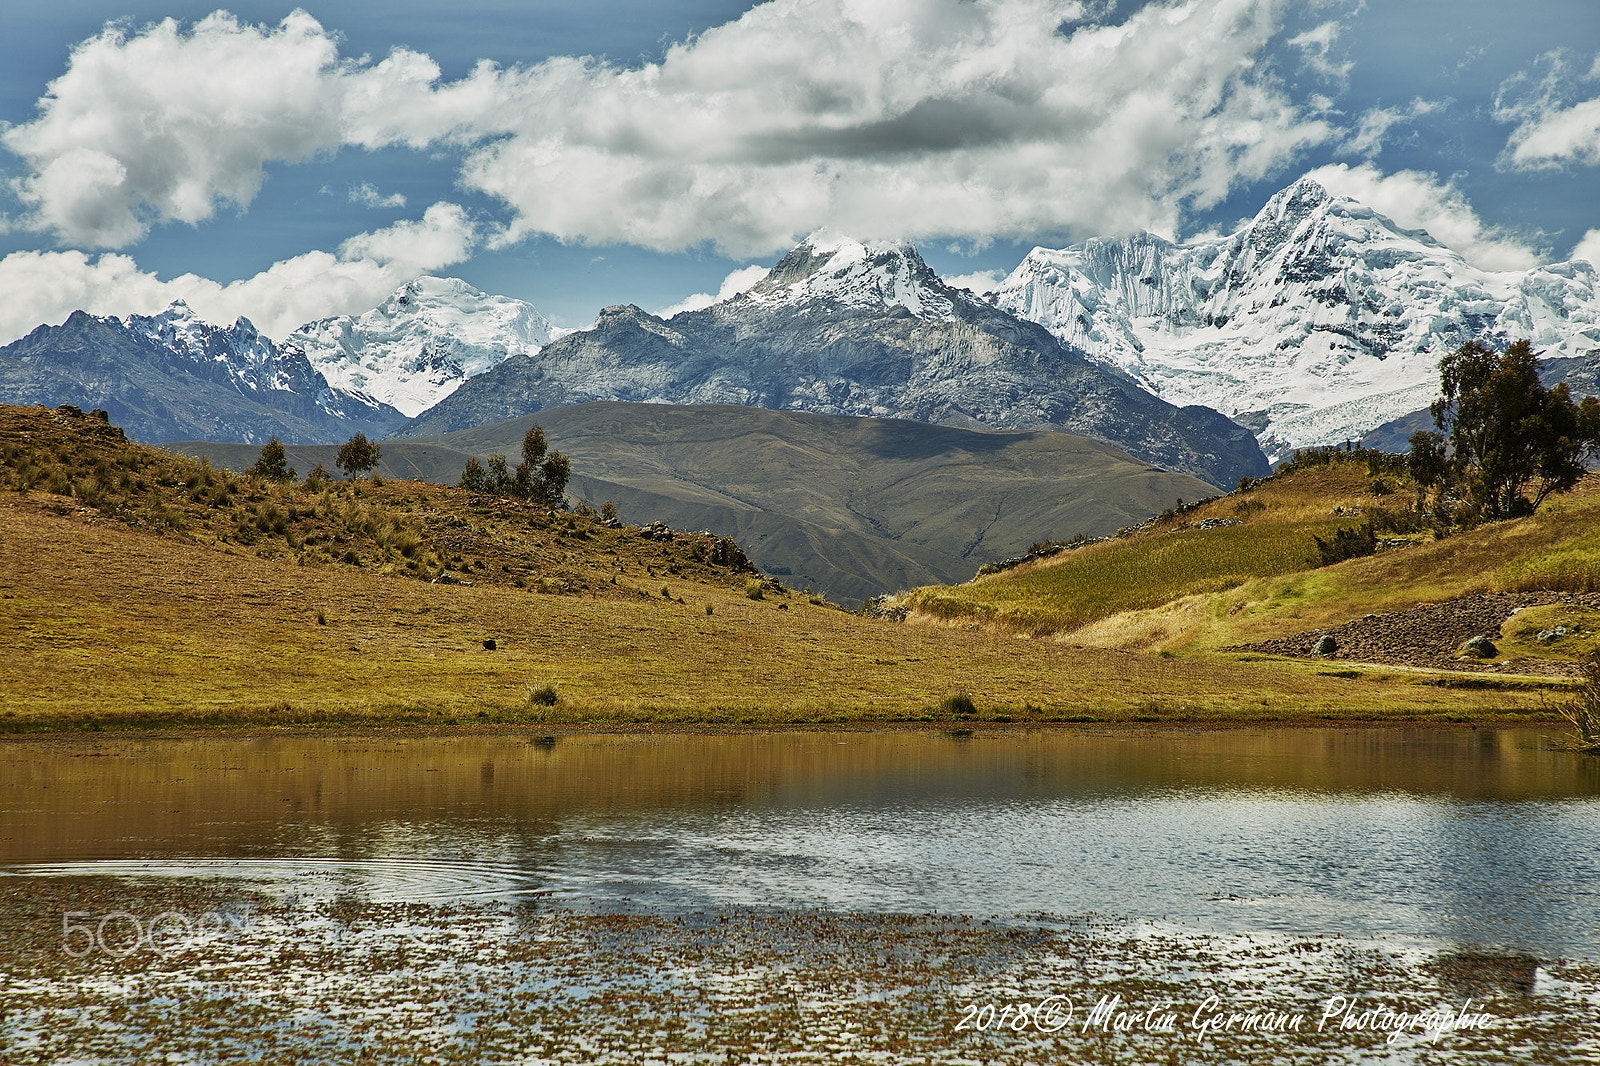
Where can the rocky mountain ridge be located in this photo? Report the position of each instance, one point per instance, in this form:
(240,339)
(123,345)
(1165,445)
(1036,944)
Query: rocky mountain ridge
(840,327)
(174,376)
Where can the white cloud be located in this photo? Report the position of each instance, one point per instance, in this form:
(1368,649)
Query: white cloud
(979,281)
(367,195)
(1420,201)
(1558,135)
(883,118)
(1551,132)
(1316,48)
(1588,248)
(161,125)
(900,119)
(1375,124)
(738,281)
(46,287)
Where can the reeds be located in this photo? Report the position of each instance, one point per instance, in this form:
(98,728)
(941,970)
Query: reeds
(1583,710)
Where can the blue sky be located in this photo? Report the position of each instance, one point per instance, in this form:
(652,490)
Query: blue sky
(291,163)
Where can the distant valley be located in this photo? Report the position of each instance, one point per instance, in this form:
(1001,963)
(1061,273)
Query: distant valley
(852,507)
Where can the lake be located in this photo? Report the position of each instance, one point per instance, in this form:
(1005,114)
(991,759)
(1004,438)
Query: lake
(1284,867)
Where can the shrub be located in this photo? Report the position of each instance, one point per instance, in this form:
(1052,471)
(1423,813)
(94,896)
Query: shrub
(1347,543)
(958,706)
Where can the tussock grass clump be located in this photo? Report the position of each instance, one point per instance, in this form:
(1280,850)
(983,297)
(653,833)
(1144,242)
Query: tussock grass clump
(1583,710)
(543,696)
(957,706)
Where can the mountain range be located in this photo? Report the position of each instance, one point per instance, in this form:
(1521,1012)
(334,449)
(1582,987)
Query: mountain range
(1312,324)
(173,376)
(419,345)
(845,328)
(1318,321)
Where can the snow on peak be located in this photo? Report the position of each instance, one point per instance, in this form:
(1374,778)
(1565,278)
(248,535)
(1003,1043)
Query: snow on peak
(829,242)
(420,344)
(830,268)
(1315,322)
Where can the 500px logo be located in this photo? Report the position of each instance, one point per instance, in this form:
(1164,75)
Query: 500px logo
(120,934)
(1048,1016)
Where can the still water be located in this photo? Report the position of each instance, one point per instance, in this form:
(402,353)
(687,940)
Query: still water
(1479,837)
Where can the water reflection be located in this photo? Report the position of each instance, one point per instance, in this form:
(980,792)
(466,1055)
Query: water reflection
(1484,836)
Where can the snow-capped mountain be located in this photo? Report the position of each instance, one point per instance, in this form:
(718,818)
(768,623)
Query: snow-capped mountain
(827,269)
(840,327)
(419,345)
(1316,322)
(174,376)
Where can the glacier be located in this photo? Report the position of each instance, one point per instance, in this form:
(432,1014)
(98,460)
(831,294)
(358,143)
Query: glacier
(1317,321)
(419,345)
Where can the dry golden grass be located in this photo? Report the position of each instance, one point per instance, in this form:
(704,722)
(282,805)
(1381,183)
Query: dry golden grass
(113,626)
(109,620)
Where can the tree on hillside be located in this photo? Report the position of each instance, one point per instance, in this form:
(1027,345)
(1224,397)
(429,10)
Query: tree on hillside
(273,463)
(358,455)
(541,476)
(1506,432)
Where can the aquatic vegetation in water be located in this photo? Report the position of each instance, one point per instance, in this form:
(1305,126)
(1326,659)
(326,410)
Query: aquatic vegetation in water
(341,979)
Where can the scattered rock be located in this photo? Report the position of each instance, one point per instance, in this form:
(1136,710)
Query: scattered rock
(1481,647)
(1429,634)
(1326,645)
(489,645)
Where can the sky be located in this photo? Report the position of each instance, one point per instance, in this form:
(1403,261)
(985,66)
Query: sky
(289,163)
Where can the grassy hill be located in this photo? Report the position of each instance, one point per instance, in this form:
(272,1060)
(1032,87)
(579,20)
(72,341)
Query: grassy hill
(850,506)
(1245,568)
(142,588)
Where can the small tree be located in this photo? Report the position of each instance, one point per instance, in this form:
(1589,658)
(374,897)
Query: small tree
(273,463)
(1506,430)
(358,455)
(473,479)
(1428,462)
(541,476)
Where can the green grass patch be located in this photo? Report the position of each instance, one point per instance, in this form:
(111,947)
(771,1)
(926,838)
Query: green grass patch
(1573,566)
(1132,574)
